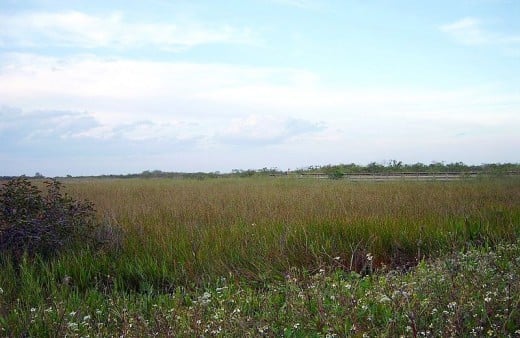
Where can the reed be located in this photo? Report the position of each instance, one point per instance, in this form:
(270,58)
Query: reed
(198,230)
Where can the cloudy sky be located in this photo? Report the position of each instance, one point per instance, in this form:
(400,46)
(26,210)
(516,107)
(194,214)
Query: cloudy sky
(99,87)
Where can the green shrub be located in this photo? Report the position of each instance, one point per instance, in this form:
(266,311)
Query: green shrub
(35,223)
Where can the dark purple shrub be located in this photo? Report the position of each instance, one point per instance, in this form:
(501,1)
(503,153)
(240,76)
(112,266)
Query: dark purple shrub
(42,224)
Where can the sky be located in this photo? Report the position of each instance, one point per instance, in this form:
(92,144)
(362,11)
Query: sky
(115,87)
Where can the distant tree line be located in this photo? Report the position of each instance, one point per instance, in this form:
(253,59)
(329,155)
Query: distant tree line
(434,167)
(333,170)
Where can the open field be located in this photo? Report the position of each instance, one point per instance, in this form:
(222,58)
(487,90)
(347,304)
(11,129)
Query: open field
(293,257)
(251,226)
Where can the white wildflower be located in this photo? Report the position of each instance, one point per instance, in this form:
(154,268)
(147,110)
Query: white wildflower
(263,329)
(205,298)
(72,326)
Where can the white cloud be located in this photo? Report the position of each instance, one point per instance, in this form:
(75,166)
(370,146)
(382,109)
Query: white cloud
(82,30)
(266,129)
(188,109)
(161,89)
(471,31)
(467,31)
(122,90)
(305,4)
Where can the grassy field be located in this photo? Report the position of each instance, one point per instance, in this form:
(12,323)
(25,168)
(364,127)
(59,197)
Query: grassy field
(280,257)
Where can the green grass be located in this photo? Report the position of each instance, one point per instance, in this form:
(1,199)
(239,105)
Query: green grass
(200,229)
(474,293)
(276,257)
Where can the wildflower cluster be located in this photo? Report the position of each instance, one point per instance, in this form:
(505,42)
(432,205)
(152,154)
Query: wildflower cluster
(479,298)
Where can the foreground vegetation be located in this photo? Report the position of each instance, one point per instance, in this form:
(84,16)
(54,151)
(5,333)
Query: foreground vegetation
(280,257)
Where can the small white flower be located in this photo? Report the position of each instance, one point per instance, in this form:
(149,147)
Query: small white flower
(33,309)
(369,257)
(337,258)
(205,298)
(487,299)
(263,329)
(73,326)
(72,314)
(87,317)
(296,325)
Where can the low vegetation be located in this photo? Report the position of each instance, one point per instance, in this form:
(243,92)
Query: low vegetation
(43,225)
(279,257)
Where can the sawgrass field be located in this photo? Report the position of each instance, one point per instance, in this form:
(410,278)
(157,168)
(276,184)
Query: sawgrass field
(264,256)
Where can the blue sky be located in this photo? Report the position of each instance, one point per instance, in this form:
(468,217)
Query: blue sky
(99,87)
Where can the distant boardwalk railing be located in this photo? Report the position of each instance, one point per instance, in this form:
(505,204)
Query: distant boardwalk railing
(418,176)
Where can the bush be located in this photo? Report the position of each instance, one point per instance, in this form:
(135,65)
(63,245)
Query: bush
(42,224)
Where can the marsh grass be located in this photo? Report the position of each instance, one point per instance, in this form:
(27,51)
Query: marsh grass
(475,293)
(256,244)
(253,227)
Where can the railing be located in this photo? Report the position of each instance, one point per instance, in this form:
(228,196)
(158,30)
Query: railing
(445,176)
